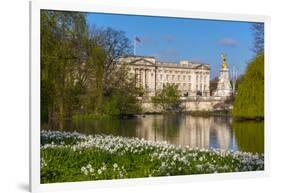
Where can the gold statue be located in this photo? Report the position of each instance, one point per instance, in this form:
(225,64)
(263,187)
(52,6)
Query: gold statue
(224,64)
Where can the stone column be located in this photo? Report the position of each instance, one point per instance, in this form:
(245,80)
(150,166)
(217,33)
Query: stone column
(145,79)
(141,77)
(136,78)
(155,80)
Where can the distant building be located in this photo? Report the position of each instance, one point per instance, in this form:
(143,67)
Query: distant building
(224,88)
(192,78)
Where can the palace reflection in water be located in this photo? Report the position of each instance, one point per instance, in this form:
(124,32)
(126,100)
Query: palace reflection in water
(188,131)
(184,130)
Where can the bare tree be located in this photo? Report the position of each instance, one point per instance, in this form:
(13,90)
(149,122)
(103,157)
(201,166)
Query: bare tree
(258,30)
(115,45)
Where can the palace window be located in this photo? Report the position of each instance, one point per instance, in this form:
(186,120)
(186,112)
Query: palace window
(151,74)
(179,77)
(189,86)
(183,77)
(189,78)
(173,76)
(161,76)
(167,77)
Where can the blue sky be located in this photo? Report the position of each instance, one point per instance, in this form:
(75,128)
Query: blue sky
(175,39)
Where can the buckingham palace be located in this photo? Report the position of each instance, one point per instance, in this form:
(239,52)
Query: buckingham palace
(191,78)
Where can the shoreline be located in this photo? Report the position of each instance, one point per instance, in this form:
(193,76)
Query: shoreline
(103,157)
(188,113)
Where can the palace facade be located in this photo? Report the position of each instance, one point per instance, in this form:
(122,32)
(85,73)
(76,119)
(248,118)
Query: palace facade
(191,78)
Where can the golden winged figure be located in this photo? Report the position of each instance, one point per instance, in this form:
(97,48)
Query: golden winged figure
(224,64)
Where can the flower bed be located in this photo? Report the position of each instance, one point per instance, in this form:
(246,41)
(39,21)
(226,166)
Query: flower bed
(68,157)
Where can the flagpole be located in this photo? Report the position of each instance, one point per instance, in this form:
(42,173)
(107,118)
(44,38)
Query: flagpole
(135,45)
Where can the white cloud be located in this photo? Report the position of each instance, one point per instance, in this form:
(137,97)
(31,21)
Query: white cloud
(228,42)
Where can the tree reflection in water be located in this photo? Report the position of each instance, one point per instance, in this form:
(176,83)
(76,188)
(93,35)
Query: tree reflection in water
(249,135)
(178,129)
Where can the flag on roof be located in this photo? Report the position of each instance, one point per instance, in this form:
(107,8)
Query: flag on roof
(137,39)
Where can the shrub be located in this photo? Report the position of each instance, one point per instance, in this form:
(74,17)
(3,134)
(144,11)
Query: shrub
(121,103)
(168,98)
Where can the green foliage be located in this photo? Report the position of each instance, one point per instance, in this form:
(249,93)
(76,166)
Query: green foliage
(121,102)
(63,37)
(168,98)
(96,60)
(79,73)
(249,102)
(238,81)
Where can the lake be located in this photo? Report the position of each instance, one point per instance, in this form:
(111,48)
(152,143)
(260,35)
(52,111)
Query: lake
(179,129)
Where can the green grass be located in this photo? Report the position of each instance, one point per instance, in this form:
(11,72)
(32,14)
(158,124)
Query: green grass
(91,116)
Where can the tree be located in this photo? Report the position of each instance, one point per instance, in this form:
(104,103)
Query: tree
(120,102)
(115,45)
(168,98)
(258,30)
(249,102)
(214,84)
(95,85)
(80,72)
(122,97)
(63,37)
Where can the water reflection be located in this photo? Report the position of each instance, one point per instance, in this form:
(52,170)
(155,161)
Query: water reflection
(249,136)
(184,130)
(188,131)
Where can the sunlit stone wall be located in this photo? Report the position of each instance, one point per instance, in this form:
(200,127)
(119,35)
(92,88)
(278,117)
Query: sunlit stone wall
(152,75)
(186,105)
